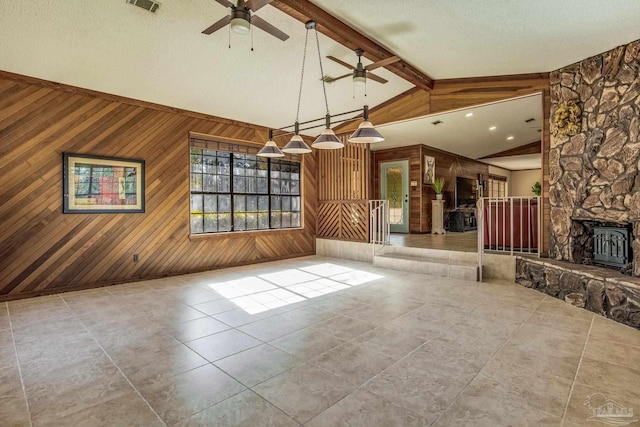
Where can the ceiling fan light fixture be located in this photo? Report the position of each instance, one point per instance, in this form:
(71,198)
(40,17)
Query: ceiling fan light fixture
(240,25)
(359,80)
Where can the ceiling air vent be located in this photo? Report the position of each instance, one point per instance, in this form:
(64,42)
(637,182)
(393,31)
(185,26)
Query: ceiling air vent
(150,5)
(437,122)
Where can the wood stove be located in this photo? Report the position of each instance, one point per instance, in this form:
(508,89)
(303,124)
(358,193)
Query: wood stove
(611,246)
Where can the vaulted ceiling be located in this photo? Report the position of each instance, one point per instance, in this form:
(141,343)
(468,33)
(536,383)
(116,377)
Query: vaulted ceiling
(114,47)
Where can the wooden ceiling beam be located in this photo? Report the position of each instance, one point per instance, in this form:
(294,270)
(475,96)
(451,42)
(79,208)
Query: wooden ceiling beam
(533,148)
(332,27)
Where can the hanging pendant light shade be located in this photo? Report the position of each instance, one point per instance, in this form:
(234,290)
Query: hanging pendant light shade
(327,139)
(296,145)
(366,133)
(270,149)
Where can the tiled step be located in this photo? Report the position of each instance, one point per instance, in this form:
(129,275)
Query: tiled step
(457,265)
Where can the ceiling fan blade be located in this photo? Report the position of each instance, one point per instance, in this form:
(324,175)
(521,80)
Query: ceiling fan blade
(226,3)
(265,26)
(382,63)
(329,79)
(254,5)
(344,64)
(215,27)
(376,78)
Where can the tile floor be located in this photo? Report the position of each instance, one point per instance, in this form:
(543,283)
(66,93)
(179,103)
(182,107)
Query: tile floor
(312,341)
(464,242)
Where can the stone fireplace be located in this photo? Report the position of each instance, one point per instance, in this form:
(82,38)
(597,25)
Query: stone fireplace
(594,181)
(604,244)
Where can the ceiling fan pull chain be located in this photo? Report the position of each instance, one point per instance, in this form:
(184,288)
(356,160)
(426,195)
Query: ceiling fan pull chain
(252,38)
(229,36)
(304,57)
(324,88)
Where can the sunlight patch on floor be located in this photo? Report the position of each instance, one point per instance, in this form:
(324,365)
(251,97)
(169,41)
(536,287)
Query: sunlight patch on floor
(257,294)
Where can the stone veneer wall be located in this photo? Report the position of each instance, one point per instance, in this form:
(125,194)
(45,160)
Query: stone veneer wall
(593,174)
(601,290)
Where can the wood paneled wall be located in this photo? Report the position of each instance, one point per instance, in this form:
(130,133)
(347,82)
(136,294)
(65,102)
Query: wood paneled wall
(44,251)
(448,166)
(343,192)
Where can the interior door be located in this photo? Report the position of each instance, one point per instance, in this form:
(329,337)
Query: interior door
(394,187)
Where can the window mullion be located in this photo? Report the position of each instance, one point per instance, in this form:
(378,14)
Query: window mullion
(269,189)
(233,225)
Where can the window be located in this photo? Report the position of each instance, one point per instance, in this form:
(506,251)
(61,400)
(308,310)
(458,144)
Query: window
(238,192)
(497,186)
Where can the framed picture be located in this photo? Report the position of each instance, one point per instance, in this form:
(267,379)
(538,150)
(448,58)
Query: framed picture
(96,184)
(429,170)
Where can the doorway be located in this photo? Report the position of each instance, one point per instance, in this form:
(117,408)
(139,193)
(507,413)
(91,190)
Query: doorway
(394,187)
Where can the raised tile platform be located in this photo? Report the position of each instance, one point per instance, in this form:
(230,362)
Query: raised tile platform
(600,290)
(435,262)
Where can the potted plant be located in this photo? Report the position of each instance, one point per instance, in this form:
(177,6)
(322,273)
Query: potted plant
(536,188)
(438,186)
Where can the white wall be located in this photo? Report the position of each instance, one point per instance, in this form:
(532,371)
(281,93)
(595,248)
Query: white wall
(522,181)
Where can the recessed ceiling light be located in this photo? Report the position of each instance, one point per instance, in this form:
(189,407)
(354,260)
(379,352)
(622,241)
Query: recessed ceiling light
(468,115)
(509,138)
(492,128)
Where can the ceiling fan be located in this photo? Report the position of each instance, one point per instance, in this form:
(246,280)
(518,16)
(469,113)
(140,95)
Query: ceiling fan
(360,73)
(241,18)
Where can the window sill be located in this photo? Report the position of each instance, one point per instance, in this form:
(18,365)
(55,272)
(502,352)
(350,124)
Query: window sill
(243,234)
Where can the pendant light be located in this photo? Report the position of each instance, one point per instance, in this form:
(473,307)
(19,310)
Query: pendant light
(366,133)
(327,139)
(270,149)
(296,145)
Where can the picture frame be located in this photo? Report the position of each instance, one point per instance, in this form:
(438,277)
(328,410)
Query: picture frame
(429,170)
(98,184)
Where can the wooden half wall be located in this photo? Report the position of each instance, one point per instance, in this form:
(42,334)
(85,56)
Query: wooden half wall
(343,192)
(44,251)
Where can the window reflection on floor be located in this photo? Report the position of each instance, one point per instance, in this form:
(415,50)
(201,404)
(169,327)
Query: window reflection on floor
(257,294)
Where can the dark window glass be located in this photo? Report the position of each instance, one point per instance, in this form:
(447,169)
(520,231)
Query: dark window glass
(237,192)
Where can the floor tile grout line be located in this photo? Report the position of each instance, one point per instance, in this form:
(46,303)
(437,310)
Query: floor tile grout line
(488,361)
(575,377)
(116,365)
(15,350)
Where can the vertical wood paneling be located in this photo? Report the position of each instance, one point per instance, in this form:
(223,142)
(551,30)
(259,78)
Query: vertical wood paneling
(45,251)
(343,192)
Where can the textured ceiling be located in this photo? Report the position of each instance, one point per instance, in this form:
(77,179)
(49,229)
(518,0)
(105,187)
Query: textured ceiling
(114,47)
(471,38)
